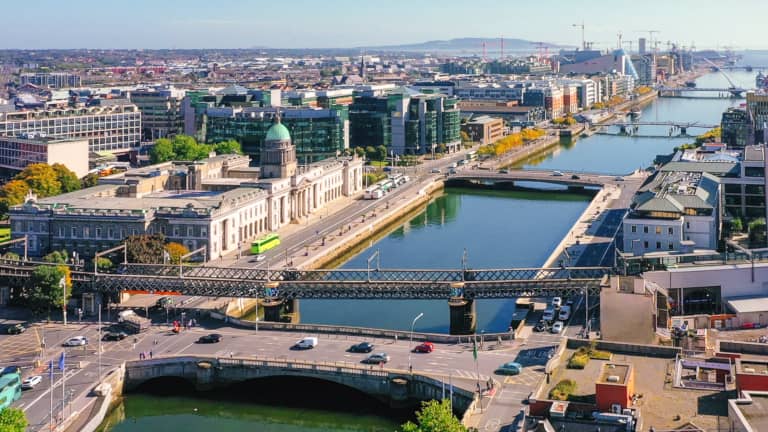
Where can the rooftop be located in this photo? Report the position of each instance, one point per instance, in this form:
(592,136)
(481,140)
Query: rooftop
(758,367)
(754,409)
(614,373)
(748,304)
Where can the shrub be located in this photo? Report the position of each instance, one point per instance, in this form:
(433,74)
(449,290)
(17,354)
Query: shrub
(578,361)
(600,355)
(563,390)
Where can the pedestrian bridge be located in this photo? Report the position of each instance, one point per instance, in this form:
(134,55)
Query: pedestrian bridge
(395,387)
(566,178)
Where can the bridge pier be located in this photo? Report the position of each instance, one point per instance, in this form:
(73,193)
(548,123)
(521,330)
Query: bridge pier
(281,310)
(463,316)
(683,131)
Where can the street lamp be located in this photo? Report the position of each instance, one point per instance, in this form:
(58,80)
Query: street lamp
(410,345)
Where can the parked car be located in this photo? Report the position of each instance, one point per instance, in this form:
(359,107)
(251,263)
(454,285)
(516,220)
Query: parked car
(575,177)
(557,173)
(306,343)
(17,329)
(362,347)
(377,358)
(435,171)
(541,326)
(557,302)
(565,313)
(618,178)
(114,336)
(76,341)
(31,382)
(557,328)
(509,368)
(549,315)
(425,347)
(210,338)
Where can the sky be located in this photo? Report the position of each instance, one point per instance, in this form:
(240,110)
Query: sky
(152,24)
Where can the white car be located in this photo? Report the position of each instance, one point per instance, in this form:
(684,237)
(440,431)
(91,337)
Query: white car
(76,341)
(557,173)
(260,257)
(31,382)
(557,302)
(557,328)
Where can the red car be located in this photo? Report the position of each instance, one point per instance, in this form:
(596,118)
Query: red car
(426,347)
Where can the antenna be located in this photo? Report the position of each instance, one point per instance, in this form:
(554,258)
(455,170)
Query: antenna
(502,47)
(620,44)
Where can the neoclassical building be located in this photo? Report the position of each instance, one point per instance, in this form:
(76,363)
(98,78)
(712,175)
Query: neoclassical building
(220,203)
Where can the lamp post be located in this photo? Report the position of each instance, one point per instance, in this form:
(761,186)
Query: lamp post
(410,344)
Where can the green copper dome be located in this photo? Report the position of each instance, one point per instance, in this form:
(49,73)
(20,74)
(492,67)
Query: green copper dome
(278,132)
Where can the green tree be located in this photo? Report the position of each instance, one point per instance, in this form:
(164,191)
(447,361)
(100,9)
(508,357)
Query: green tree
(104,264)
(359,151)
(162,151)
(435,416)
(381,153)
(145,248)
(186,148)
(13,420)
(370,153)
(736,225)
(68,179)
(41,178)
(176,251)
(757,232)
(228,147)
(90,180)
(57,257)
(47,290)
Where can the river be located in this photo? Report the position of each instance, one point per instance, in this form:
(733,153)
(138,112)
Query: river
(498,229)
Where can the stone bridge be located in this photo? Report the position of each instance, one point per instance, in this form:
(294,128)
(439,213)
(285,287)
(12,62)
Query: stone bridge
(566,178)
(395,387)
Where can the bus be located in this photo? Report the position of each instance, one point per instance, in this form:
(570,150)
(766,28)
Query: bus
(10,389)
(373,193)
(265,243)
(471,155)
(386,185)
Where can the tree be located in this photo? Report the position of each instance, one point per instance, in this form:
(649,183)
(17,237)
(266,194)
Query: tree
(757,232)
(13,192)
(41,178)
(465,136)
(46,287)
(370,153)
(359,151)
(186,148)
(162,151)
(57,257)
(435,416)
(104,264)
(176,251)
(145,248)
(381,153)
(228,147)
(736,225)
(68,179)
(90,180)
(13,420)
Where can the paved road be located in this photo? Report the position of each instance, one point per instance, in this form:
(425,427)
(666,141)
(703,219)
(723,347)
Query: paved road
(449,362)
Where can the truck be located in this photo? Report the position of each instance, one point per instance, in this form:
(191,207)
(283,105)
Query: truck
(136,324)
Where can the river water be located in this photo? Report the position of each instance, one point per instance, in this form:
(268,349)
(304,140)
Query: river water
(498,229)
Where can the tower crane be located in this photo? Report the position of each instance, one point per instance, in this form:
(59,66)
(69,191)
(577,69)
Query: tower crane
(583,41)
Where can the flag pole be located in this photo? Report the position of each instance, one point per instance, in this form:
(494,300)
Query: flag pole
(450,388)
(477,371)
(50,378)
(62,366)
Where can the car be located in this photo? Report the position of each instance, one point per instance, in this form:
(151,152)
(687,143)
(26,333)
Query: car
(557,302)
(377,358)
(114,336)
(435,171)
(565,313)
(362,347)
(258,258)
(575,177)
(387,169)
(31,381)
(504,171)
(618,178)
(509,368)
(549,315)
(210,338)
(556,328)
(541,326)
(557,173)
(306,343)
(569,302)
(76,341)
(10,370)
(17,329)
(424,347)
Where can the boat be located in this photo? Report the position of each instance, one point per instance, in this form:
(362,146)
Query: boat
(748,68)
(690,84)
(635,113)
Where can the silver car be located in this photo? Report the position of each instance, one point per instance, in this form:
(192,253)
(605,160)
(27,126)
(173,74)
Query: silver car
(376,358)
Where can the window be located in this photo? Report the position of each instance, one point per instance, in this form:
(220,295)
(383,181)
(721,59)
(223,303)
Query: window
(86,232)
(645,229)
(670,231)
(671,245)
(190,231)
(61,231)
(134,232)
(111,233)
(122,233)
(658,245)
(658,230)
(98,232)
(645,244)
(634,228)
(175,231)
(74,231)
(203,232)
(687,225)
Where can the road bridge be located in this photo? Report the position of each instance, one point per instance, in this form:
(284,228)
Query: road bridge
(567,178)
(280,290)
(630,128)
(734,91)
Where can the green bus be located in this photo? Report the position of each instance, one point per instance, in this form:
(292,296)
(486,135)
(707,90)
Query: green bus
(265,243)
(10,389)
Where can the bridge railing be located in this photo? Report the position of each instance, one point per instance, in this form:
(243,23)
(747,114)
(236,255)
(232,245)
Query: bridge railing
(299,365)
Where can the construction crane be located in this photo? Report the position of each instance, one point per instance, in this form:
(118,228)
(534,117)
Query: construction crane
(629,42)
(650,38)
(583,41)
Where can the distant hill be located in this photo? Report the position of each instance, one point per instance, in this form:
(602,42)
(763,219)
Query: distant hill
(467,44)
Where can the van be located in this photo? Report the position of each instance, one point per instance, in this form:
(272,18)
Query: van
(306,343)
(565,313)
(125,314)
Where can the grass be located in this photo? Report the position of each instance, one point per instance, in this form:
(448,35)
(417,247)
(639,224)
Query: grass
(581,356)
(563,390)
(5,234)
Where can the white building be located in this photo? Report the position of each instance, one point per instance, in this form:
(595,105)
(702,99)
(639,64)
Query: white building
(18,152)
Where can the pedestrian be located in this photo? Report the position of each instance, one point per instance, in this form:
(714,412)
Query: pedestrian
(141,356)
(150,354)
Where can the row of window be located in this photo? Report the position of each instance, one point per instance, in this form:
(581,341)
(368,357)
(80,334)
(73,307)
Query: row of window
(670,245)
(659,229)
